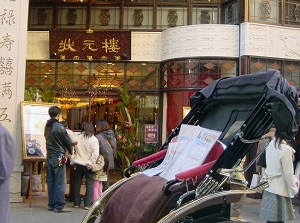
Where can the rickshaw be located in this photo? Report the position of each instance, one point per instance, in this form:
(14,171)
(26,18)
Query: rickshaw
(241,109)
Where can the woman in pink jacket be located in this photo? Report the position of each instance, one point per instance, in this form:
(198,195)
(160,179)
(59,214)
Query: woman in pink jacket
(276,203)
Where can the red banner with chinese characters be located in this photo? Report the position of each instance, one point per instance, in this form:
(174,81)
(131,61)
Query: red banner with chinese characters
(93,45)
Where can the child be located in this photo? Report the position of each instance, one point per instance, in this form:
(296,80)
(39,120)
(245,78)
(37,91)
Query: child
(100,167)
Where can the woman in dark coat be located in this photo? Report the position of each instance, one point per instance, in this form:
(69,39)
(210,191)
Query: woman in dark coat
(107,144)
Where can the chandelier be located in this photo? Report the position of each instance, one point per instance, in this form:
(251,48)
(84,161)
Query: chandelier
(68,97)
(102,83)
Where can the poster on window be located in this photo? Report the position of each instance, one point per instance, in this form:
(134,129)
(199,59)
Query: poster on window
(151,132)
(34,117)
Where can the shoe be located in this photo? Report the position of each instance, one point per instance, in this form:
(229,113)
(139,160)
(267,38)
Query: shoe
(50,209)
(237,219)
(234,218)
(75,206)
(86,208)
(63,210)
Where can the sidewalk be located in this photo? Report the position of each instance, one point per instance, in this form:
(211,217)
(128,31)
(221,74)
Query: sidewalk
(22,213)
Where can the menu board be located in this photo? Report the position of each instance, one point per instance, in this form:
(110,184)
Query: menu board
(33,118)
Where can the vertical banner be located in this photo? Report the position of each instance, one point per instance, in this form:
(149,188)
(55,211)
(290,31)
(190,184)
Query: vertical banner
(13,35)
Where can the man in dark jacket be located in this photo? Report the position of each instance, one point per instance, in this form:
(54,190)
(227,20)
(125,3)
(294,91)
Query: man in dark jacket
(58,144)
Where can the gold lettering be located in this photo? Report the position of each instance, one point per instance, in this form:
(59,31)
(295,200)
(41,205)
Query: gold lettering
(89,44)
(65,45)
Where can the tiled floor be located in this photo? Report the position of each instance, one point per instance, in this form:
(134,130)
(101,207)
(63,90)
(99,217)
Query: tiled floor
(38,213)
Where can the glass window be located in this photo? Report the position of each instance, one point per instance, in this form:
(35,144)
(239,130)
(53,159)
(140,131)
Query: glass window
(289,69)
(168,17)
(202,15)
(292,12)
(39,74)
(265,11)
(105,17)
(143,76)
(292,73)
(88,91)
(72,17)
(231,13)
(138,18)
(196,73)
(40,18)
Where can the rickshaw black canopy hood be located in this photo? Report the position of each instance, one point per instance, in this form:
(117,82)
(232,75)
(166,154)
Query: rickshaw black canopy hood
(271,85)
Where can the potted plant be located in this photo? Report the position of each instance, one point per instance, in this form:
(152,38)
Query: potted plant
(30,93)
(126,128)
(47,94)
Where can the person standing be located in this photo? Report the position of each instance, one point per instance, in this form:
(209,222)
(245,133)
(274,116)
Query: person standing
(260,164)
(100,169)
(71,134)
(7,162)
(276,205)
(73,139)
(236,208)
(297,160)
(58,144)
(86,153)
(108,145)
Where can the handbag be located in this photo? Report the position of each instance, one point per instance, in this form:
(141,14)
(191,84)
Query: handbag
(262,160)
(256,178)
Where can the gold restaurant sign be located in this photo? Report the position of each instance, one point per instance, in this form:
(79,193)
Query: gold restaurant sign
(90,45)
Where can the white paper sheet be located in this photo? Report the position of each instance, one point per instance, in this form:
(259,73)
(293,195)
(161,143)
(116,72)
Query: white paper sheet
(186,133)
(193,154)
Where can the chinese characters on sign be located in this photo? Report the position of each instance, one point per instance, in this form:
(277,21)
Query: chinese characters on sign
(151,132)
(8,51)
(105,45)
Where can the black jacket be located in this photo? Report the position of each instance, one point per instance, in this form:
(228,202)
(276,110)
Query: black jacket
(57,139)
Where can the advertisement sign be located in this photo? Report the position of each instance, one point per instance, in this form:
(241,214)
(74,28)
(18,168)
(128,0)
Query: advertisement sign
(34,117)
(151,133)
(90,45)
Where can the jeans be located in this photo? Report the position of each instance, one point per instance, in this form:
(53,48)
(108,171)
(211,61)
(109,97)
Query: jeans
(79,173)
(56,182)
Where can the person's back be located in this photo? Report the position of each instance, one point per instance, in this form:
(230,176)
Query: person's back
(109,135)
(276,205)
(279,171)
(57,139)
(108,145)
(106,150)
(57,145)
(107,141)
(86,153)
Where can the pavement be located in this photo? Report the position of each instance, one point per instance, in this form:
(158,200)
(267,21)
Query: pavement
(22,213)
